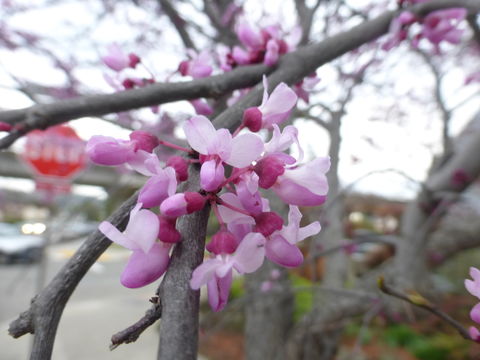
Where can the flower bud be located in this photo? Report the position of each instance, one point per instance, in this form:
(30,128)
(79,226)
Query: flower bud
(268,170)
(180,165)
(252,119)
(4,126)
(223,242)
(268,222)
(182,204)
(144,140)
(167,232)
(134,59)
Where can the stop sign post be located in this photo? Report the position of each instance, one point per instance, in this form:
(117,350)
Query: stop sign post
(56,155)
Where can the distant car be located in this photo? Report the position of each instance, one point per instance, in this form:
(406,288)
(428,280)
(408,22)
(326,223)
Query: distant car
(18,248)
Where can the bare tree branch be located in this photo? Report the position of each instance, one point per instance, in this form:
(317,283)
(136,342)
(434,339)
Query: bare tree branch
(418,300)
(178,23)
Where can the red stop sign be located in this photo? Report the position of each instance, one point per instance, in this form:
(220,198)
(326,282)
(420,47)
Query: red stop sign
(56,152)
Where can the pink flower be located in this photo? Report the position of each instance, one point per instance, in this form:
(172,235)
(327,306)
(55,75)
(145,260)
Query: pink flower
(217,271)
(5,126)
(442,25)
(182,204)
(106,150)
(160,186)
(474,77)
(201,107)
(117,60)
(218,146)
(474,334)
(305,185)
(398,29)
(274,108)
(281,246)
(473,286)
(149,259)
(198,66)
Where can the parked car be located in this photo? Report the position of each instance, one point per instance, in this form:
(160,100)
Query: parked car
(18,248)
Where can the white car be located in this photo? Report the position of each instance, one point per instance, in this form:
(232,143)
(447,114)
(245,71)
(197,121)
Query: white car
(16,247)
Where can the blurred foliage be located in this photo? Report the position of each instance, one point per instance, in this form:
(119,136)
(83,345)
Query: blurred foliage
(303,296)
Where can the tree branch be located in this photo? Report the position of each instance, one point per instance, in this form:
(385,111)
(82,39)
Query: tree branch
(418,300)
(178,23)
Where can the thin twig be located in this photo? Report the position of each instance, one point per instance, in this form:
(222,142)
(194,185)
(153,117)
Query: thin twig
(418,300)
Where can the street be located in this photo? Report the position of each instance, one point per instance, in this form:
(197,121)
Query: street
(98,308)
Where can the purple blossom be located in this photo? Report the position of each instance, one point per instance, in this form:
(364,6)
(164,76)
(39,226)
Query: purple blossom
(149,259)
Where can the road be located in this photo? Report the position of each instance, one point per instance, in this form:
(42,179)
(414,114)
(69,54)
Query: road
(98,308)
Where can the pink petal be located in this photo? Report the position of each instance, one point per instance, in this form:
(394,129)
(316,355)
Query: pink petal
(280,251)
(271,56)
(201,107)
(294,194)
(218,291)
(143,229)
(221,145)
(157,189)
(112,233)
(106,150)
(250,253)
(200,133)
(246,148)
(174,206)
(475,313)
(240,56)
(228,215)
(144,268)
(248,37)
(281,100)
(474,333)
(311,175)
(211,175)
(204,273)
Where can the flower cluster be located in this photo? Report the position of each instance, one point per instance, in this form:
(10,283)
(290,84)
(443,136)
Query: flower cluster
(473,287)
(233,170)
(437,27)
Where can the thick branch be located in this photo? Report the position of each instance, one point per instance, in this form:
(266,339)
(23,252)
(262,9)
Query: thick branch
(179,325)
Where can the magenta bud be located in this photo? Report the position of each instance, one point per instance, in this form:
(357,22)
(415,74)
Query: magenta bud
(195,201)
(268,222)
(174,206)
(180,165)
(128,84)
(4,126)
(167,232)
(268,170)
(183,67)
(252,119)
(223,242)
(133,60)
(144,140)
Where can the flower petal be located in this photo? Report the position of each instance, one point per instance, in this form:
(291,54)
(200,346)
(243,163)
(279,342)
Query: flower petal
(143,229)
(218,291)
(204,273)
(200,133)
(112,233)
(245,149)
(250,253)
(281,252)
(144,268)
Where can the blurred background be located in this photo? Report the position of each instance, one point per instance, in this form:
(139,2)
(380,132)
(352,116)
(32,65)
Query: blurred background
(394,123)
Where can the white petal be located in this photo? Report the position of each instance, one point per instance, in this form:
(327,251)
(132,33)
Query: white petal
(200,133)
(245,149)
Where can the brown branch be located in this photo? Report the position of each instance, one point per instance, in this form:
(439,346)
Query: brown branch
(44,115)
(132,333)
(418,300)
(178,22)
